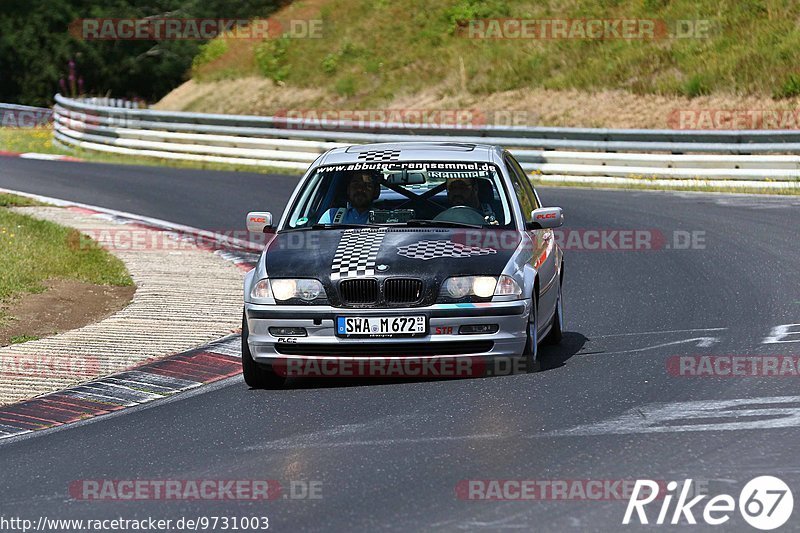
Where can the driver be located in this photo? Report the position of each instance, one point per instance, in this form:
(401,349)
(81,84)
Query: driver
(464,192)
(362,188)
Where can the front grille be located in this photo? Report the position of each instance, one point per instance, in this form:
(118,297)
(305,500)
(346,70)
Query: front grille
(359,291)
(402,290)
(385,349)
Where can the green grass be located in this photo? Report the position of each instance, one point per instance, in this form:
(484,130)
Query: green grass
(37,250)
(372,50)
(19,339)
(12,200)
(28,140)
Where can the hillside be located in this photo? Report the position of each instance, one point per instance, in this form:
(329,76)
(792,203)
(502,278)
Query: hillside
(411,54)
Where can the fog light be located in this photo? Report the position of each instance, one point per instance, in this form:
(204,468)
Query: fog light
(478,329)
(287,332)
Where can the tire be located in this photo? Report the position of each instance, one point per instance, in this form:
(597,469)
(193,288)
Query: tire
(531,351)
(556,331)
(255,375)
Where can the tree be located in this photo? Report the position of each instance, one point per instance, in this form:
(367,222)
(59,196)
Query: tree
(36,47)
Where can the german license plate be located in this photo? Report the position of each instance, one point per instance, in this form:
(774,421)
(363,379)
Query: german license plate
(381,326)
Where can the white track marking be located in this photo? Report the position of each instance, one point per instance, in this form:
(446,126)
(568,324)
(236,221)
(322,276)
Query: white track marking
(45,157)
(745,413)
(781,332)
(658,332)
(378,442)
(702,342)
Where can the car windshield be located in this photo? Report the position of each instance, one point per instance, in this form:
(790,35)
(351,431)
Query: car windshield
(446,194)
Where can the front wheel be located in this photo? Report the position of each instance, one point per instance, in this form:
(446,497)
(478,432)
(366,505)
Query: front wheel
(256,375)
(556,331)
(531,352)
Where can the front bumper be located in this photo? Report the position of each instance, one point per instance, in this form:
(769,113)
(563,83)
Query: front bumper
(442,341)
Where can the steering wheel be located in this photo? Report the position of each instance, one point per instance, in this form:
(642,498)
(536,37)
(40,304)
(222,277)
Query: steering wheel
(463,214)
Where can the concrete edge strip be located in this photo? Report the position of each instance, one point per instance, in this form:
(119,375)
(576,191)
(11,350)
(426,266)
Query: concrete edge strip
(36,155)
(142,383)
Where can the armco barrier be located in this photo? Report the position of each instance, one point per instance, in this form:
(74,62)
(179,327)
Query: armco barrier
(24,116)
(289,143)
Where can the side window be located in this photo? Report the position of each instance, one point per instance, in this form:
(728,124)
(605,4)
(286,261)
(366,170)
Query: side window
(522,193)
(526,181)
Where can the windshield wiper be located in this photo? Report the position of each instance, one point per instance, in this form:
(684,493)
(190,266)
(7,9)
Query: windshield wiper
(331,225)
(421,222)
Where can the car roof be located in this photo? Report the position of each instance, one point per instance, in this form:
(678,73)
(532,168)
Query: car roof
(412,151)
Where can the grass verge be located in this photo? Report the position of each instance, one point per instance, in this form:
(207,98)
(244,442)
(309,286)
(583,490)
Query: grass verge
(36,250)
(12,200)
(19,339)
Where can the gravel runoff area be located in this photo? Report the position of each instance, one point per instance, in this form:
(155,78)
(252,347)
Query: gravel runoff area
(185,296)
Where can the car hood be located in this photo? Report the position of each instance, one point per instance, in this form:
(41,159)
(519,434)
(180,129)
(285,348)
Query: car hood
(429,253)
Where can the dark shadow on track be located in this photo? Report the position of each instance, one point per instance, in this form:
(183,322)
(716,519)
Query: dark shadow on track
(555,356)
(551,357)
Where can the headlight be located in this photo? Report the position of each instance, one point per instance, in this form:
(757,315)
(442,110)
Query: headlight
(457,287)
(305,289)
(480,286)
(483,286)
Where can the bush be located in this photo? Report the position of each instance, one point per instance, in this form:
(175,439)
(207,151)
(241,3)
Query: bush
(209,52)
(790,88)
(696,86)
(271,58)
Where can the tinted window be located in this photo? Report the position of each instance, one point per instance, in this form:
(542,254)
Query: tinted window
(525,181)
(522,193)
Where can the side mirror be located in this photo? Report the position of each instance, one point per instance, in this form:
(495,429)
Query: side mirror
(545,217)
(259,221)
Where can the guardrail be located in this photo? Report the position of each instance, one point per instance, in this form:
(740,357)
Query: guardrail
(24,116)
(289,143)
(107,101)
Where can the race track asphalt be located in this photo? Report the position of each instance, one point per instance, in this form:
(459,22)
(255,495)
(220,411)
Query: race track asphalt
(392,454)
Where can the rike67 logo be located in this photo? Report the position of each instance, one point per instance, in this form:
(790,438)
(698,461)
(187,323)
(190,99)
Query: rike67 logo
(765,503)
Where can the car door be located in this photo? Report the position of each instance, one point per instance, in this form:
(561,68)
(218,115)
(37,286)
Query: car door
(544,258)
